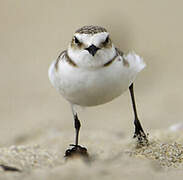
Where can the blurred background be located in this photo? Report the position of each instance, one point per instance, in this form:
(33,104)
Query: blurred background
(33,33)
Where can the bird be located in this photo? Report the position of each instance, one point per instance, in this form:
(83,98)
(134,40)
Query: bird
(91,72)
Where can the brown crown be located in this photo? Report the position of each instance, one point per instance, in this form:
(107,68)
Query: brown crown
(91,30)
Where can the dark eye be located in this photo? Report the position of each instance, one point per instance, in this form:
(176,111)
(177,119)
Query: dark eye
(76,40)
(106,40)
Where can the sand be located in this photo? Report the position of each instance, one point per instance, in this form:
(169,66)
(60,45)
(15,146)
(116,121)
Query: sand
(122,158)
(36,125)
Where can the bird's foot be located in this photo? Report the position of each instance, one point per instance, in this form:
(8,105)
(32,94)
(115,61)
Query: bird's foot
(77,150)
(142,139)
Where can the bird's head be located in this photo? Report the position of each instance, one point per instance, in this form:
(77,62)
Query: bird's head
(91,47)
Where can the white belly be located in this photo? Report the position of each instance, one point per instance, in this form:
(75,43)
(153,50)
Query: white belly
(91,87)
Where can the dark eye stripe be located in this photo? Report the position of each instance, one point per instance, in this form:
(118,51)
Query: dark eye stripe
(76,40)
(106,41)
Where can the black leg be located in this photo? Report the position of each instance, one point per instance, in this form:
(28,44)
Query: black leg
(77,149)
(77,125)
(139,132)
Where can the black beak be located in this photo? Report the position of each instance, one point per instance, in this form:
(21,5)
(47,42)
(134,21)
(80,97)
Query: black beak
(92,49)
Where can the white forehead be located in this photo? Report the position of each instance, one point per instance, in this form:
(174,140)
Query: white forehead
(89,39)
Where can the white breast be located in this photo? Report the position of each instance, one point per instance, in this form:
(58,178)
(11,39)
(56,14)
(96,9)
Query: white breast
(98,86)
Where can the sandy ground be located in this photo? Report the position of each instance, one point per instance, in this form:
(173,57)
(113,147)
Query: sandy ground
(36,123)
(42,157)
